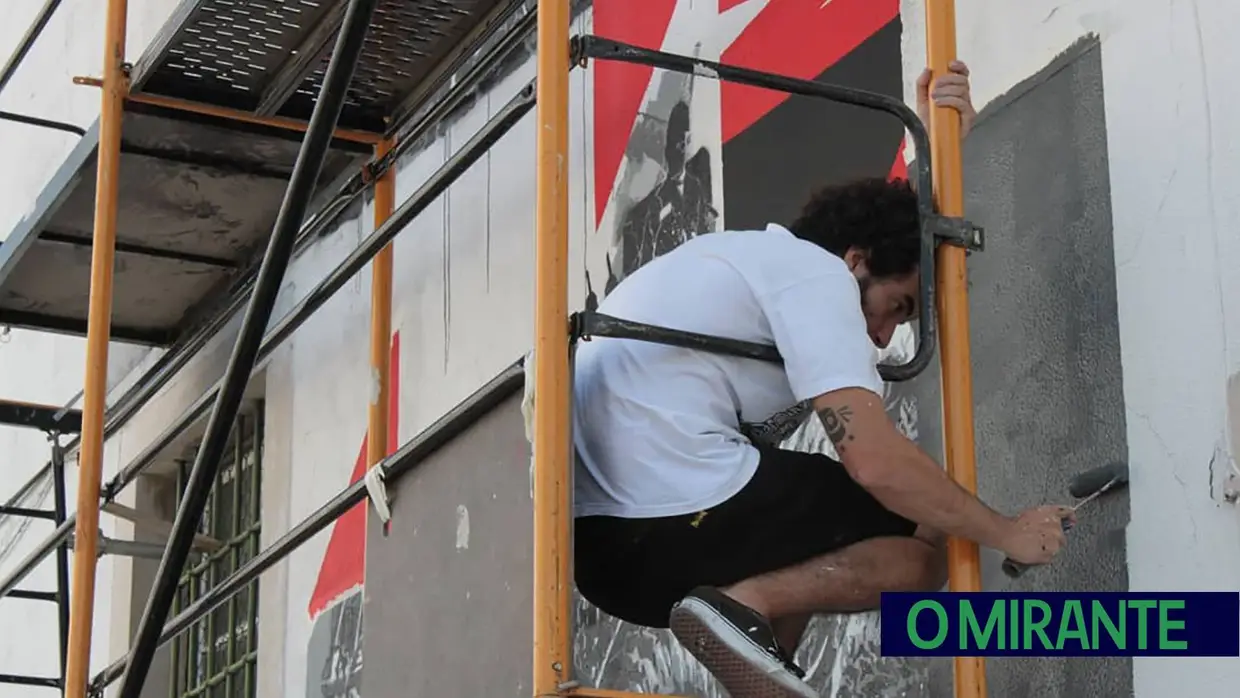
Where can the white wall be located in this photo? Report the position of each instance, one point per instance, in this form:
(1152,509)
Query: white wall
(1171,105)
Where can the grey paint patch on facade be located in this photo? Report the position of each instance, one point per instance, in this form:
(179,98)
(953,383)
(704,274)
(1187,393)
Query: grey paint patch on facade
(1048,391)
(449,621)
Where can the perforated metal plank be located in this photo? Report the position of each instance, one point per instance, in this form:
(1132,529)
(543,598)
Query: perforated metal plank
(269,56)
(223,51)
(197,202)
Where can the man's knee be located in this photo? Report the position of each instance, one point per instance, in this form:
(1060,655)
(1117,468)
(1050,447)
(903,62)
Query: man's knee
(932,562)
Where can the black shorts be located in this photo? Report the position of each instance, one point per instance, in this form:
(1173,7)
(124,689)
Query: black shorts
(797,506)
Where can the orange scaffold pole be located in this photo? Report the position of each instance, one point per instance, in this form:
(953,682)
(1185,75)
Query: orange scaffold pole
(552,499)
(98,331)
(381,319)
(953,310)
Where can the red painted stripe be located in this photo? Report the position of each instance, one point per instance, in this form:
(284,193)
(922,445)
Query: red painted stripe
(619,87)
(725,5)
(344,561)
(899,168)
(797,38)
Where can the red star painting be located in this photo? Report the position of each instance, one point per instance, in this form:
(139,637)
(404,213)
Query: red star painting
(727,155)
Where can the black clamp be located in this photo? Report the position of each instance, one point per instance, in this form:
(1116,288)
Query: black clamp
(956,231)
(578,329)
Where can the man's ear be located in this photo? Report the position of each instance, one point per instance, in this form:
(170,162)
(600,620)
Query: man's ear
(854,257)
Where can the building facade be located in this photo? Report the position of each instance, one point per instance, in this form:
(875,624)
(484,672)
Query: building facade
(1105,327)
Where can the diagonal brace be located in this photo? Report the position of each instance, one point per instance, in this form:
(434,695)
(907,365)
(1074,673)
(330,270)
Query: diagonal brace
(301,188)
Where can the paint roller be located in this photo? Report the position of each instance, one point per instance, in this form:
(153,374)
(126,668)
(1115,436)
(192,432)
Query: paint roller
(1086,487)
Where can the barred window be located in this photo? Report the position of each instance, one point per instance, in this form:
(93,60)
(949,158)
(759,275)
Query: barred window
(216,656)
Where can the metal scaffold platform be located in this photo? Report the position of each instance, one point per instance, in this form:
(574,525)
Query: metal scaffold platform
(197,200)
(269,58)
(213,121)
(247,128)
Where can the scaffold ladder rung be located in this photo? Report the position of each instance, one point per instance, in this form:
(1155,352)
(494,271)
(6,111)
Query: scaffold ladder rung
(19,680)
(28,513)
(34,595)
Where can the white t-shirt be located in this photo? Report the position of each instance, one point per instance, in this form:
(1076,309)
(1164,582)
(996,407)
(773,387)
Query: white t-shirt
(664,431)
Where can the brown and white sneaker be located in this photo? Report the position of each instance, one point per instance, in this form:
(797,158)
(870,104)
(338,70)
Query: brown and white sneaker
(737,646)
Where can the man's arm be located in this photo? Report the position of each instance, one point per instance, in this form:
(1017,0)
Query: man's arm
(899,474)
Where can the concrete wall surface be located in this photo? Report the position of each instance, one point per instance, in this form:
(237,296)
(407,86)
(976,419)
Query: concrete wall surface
(1106,326)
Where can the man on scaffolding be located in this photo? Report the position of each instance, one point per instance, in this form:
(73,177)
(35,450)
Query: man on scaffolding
(686,520)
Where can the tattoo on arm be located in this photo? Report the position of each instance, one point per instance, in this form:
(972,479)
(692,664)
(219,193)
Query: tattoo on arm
(835,422)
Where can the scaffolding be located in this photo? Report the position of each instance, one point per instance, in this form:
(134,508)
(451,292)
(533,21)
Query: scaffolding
(331,80)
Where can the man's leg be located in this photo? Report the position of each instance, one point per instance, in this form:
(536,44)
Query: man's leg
(789,631)
(783,595)
(746,634)
(813,541)
(845,581)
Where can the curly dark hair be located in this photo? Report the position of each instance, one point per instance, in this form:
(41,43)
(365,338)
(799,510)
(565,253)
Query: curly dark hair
(877,216)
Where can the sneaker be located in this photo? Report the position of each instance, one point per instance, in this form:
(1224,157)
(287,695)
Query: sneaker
(737,646)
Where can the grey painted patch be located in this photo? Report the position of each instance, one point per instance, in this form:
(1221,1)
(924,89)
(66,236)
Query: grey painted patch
(1048,392)
(449,621)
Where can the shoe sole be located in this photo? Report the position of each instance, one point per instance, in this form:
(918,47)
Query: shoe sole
(743,668)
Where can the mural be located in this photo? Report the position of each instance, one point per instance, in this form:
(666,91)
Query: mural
(678,156)
(678,205)
(334,652)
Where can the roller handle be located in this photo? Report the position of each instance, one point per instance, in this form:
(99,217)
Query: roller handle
(1015,569)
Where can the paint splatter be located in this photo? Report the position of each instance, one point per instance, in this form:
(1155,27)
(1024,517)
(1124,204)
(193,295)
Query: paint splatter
(462,527)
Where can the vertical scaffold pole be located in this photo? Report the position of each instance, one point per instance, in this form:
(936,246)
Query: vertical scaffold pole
(953,301)
(98,331)
(552,499)
(62,550)
(381,319)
